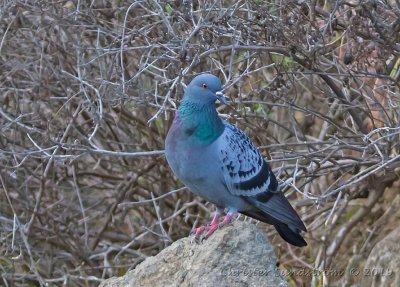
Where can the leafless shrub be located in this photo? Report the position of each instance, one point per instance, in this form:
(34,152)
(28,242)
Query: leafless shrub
(88,91)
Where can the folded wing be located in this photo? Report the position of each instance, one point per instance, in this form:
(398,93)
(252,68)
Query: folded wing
(249,176)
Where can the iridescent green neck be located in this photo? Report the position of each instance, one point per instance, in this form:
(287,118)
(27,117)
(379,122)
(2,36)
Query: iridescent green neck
(201,122)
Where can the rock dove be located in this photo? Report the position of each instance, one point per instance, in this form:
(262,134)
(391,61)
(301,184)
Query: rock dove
(218,162)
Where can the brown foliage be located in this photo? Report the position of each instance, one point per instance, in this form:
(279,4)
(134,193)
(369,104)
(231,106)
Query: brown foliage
(88,91)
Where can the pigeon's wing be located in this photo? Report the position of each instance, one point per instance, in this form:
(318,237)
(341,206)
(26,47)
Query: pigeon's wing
(248,175)
(245,171)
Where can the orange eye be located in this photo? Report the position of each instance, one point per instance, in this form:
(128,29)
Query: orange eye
(205,86)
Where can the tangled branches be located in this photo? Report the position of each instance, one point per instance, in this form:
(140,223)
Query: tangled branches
(88,90)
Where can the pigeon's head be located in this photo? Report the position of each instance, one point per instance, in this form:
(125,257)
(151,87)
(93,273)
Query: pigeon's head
(204,89)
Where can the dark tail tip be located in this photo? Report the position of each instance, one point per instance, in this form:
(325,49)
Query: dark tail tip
(290,236)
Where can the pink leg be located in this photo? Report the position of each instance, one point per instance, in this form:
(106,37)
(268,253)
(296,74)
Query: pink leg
(212,228)
(215,219)
(198,231)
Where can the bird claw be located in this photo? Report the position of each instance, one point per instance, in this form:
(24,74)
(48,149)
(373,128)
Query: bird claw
(211,228)
(200,230)
(197,239)
(197,233)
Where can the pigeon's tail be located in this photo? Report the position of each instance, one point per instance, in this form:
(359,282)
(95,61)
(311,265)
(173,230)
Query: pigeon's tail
(275,209)
(291,236)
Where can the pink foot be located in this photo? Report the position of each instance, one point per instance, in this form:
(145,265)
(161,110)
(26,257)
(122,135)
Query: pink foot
(198,231)
(213,227)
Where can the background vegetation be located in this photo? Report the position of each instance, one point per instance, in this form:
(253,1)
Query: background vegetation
(88,90)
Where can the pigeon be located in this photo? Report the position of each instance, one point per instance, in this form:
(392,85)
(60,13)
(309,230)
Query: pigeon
(218,162)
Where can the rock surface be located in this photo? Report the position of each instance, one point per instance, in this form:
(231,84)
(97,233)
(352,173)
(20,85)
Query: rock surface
(383,265)
(236,255)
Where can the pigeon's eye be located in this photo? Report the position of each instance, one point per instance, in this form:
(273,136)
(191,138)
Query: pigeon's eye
(205,86)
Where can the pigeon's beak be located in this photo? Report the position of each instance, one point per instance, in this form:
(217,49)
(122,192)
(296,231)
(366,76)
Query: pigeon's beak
(221,97)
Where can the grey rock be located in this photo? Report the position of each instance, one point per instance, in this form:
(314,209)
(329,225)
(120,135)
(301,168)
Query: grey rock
(383,265)
(236,255)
